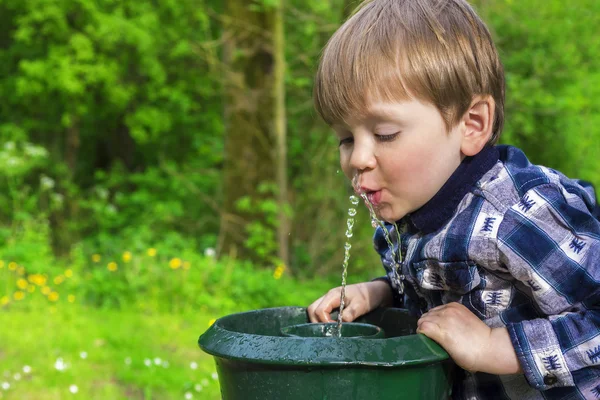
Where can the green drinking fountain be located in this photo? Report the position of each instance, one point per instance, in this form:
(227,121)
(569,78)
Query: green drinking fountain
(276,354)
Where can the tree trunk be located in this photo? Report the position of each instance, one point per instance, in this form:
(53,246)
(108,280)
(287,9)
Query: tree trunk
(283,228)
(254,125)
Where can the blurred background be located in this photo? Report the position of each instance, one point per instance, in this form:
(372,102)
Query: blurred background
(161,165)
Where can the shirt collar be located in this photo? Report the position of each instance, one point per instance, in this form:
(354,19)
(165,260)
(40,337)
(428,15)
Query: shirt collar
(437,211)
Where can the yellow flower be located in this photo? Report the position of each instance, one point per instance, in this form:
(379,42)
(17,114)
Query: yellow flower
(175,263)
(278,271)
(22,284)
(112,266)
(38,279)
(19,295)
(4,300)
(69,273)
(127,256)
(12,265)
(31,288)
(59,279)
(53,296)
(71,298)
(96,258)
(151,252)
(187,265)
(212,321)
(46,290)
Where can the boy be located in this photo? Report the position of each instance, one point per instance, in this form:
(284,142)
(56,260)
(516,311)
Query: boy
(501,258)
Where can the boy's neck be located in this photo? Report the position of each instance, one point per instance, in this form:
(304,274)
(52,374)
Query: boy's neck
(437,211)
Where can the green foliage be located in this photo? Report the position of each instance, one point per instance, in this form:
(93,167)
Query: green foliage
(170,277)
(116,117)
(551,61)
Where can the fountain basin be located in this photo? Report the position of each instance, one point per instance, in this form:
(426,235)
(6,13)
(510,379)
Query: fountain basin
(254,360)
(329,329)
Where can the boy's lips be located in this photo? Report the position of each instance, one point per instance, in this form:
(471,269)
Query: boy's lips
(374,196)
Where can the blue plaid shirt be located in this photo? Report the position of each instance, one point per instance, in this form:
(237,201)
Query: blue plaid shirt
(519,245)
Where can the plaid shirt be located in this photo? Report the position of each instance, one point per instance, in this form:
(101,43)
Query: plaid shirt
(519,245)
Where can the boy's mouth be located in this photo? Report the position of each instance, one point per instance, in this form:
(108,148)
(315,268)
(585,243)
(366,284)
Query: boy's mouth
(374,197)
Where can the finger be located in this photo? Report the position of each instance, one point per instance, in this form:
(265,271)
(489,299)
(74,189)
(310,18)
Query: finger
(330,301)
(311,309)
(350,313)
(430,329)
(435,317)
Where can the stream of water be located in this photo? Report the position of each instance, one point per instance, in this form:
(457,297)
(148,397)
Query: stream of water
(396,256)
(349,224)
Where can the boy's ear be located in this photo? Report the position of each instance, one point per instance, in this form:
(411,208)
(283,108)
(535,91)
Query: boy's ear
(478,123)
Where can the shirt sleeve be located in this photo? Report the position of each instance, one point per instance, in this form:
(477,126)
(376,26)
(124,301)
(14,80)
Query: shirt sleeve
(550,242)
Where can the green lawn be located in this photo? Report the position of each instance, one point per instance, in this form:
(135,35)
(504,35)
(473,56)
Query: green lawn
(106,353)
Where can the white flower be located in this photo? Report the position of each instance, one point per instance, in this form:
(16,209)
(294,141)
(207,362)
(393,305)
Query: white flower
(128,360)
(73,389)
(9,146)
(198,387)
(83,355)
(60,365)
(26,369)
(194,365)
(17,376)
(157,361)
(204,382)
(189,395)
(210,252)
(147,362)
(5,385)
(46,182)
(215,376)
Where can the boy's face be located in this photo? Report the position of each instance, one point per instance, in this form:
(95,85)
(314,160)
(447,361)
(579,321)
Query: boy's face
(403,155)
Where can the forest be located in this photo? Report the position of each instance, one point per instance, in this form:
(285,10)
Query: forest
(162,164)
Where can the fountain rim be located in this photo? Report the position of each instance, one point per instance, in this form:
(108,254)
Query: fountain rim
(401,351)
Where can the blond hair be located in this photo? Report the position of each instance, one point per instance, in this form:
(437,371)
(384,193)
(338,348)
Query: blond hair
(438,51)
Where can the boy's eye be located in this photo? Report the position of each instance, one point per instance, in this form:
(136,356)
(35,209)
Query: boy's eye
(347,140)
(387,138)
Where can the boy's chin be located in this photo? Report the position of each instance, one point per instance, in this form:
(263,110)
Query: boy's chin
(386,214)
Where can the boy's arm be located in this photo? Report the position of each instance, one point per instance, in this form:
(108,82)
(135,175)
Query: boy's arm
(550,241)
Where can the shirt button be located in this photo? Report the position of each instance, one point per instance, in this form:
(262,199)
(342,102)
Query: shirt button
(550,379)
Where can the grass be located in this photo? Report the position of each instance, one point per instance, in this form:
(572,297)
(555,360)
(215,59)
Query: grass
(105,352)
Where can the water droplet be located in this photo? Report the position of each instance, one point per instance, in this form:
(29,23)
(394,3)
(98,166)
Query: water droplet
(350,223)
(337,172)
(374,223)
(347,246)
(354,200)
(348,233)
(352,212)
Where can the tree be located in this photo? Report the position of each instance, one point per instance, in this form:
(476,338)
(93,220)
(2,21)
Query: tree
(253,222)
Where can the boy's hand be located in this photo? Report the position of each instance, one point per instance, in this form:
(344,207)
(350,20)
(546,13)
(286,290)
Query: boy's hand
(360,299)
(469,341)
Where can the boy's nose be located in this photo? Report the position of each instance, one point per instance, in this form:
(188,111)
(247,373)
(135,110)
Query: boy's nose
(363,156)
